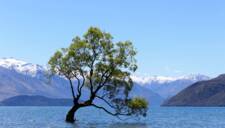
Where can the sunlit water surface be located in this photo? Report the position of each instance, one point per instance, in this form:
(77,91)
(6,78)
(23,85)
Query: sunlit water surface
(53,117)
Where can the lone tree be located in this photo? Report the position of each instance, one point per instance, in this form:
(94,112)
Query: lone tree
(96,64)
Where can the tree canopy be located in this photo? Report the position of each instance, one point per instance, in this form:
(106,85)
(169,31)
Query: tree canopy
(104,68)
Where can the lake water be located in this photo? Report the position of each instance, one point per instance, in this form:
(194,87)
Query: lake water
(53,117)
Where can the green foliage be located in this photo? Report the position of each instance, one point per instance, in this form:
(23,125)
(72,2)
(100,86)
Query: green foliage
(101,66)
(138,105)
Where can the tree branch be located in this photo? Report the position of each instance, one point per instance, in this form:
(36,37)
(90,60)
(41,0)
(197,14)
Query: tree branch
(111,113)
(91,74)
(83,81)
(107,111)
(106,102)
(103,84)
(103,75)
(71,86)
(78,85)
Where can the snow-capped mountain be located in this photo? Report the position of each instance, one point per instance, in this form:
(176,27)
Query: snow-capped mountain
(163,79)
(168,86)
(21,78)
(22,66)
(32,70)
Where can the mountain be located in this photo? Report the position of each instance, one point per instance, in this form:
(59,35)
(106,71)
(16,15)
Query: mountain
(153,98)
(167,87)
(25,100)
(21,78)
(22,67)
(13,83)
(204,93)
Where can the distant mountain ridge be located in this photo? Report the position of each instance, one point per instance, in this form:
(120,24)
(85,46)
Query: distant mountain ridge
(22,66)
(204,93)
(25,100)
(165,79)
(21,78)
(13,83)
(33,69)
(168,86)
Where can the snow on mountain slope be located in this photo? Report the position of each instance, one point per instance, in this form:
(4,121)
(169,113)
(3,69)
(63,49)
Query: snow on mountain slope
(21,66)
(13,83)
(22,78)
(163,79)
(168,86)
(32,69)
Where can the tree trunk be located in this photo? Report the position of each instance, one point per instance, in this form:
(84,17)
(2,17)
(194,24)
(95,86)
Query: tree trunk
(70,115)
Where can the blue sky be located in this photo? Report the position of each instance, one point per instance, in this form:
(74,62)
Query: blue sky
(173,37)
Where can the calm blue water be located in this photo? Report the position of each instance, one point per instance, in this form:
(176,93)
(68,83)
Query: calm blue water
(53,117)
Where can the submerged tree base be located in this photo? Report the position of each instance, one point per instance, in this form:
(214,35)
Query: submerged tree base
(71,114)
(70,119)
